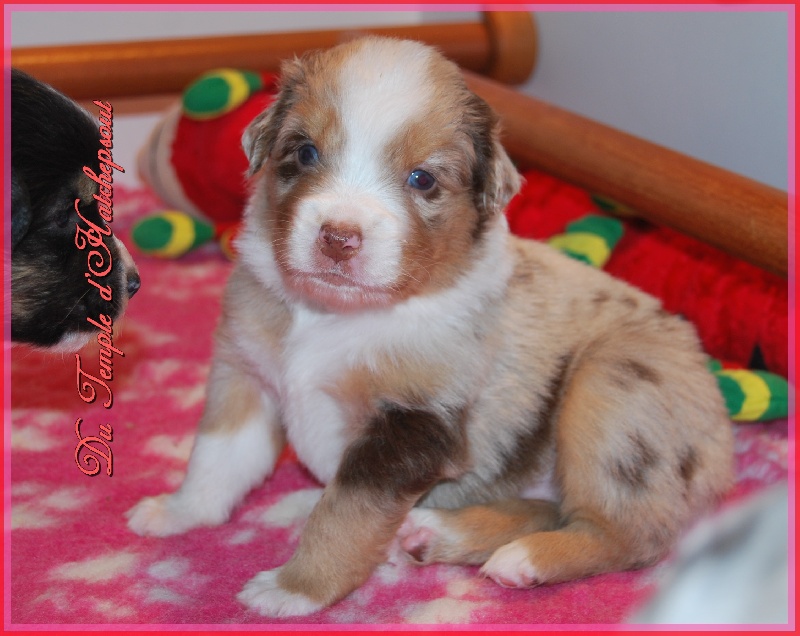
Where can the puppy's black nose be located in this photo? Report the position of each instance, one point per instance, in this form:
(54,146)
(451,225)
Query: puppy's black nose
(134,283)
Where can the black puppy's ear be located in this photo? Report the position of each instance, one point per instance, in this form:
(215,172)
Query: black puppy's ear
(20,208)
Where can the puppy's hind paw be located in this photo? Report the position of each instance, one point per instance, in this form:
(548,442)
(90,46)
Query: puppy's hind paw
(424,538)
(510,566)
(159,517)
(419,546)
(264,594)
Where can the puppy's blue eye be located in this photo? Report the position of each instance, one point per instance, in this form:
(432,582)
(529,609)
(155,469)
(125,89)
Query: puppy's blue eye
(421,180)
(307,155)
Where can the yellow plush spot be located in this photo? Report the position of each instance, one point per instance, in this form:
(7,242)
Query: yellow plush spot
(182,236)
(240,89)
(591,246)
(756,394)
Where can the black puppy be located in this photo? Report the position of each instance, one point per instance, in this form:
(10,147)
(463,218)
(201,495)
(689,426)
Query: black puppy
(61,247)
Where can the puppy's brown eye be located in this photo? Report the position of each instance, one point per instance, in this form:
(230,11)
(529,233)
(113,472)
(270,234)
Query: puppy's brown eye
(307,155)
(421,180)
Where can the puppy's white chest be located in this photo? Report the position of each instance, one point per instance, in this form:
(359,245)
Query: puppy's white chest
(318,352)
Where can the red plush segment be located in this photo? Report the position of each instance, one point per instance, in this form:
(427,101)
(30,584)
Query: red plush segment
(208,157)
(545,206)
(735,306)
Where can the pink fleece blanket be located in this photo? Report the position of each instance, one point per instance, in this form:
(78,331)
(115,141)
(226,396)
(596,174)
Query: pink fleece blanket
(73,560)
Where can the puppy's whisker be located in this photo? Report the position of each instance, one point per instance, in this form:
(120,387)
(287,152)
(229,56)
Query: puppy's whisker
(69,312)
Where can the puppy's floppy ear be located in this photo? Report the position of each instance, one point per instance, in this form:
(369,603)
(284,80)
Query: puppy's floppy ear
(504,181)
(258,139)
(20,208)
(495,179)
(260,135)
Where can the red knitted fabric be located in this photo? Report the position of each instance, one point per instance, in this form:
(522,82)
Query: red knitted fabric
(208,157)
(735,306)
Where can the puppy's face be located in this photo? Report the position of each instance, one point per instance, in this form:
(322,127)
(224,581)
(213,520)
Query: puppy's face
(382,174)
(51,297)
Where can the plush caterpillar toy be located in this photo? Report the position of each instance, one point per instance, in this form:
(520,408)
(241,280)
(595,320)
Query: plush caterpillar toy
(194,162)
(194,159)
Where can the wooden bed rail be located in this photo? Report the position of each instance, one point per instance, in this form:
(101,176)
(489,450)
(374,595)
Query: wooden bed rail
(502,46)
(738,215)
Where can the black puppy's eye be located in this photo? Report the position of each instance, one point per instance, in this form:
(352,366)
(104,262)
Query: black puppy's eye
(307,155)
(66,216)
(63,218)
(421,180)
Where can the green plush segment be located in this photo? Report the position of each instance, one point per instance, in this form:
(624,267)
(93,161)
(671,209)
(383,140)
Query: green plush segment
(779,395)
(609,205)
(207,96)
(610,230)
(605,204)
(732,392)
(253,80)
(212,94)
(152,234)
(753,396)
(590,239)
(170,234)
(577,256)
(203,232)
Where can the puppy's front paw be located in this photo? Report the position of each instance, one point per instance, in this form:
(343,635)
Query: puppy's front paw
(161,516)
(264,594)
(510,566)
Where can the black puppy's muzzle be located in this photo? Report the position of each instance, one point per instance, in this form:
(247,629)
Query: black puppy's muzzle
(134,282)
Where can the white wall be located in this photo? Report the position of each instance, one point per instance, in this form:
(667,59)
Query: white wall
(709,84)
(62,27)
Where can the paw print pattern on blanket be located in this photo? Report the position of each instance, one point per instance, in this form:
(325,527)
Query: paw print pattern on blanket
(74,561)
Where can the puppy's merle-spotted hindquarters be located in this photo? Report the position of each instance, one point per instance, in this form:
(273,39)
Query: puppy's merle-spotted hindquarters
(465,395)
(52,140)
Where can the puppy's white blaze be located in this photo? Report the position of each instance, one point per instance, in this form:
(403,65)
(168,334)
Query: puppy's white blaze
(263,594)
(374,110)
(222,469)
